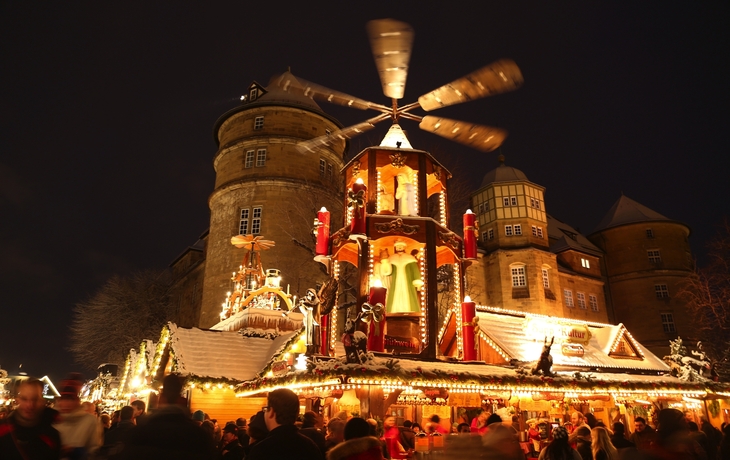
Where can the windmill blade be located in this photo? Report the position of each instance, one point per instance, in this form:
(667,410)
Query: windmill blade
(290,83)
(495,78)
(345,133)
(391,43)
(480,137)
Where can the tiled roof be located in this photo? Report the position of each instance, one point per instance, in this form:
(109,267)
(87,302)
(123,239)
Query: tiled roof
(223,354)
(521,337)
(627,211)
(564,237)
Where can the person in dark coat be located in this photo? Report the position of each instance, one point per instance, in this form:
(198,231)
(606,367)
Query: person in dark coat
(169,432)
(115,438)
(243,437)
(407,435)
(232,449)
(311,430)
(284,440)
(28,433)
(358,444)
(582,437)
(618,439)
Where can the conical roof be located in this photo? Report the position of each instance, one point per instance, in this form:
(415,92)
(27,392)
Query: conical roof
(503,173)
(627,211)
(275,94)
(396,138)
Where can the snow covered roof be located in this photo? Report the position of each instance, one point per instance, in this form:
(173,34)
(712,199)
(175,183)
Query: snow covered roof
(261,318)
(578,344)
(223,354)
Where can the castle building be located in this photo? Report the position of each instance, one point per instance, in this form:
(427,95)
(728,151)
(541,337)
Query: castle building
(529,261)
(627,271)
(263,186)
(646,257)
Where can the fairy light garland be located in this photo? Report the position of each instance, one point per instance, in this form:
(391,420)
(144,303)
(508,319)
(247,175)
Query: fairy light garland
(333,313)
(424,310)
(442,207)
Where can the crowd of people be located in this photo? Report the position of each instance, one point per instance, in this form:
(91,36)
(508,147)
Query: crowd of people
(73,430)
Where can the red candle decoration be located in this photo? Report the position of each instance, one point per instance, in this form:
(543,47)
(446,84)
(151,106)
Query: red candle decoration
(376,313)
(324,339)
(356,202)
(323,232)
(468,313)
(470,235)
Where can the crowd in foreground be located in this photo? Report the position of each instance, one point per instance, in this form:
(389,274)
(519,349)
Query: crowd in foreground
(73,431)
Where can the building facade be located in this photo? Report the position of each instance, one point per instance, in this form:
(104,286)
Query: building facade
(529,261)
(646,257)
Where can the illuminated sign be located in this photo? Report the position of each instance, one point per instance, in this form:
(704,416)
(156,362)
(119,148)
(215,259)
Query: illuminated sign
(564,332)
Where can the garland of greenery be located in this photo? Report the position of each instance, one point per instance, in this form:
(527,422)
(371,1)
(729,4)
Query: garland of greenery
(421,377)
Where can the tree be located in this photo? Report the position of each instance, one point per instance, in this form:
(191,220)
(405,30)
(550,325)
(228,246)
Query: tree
(122,313)
(707,293)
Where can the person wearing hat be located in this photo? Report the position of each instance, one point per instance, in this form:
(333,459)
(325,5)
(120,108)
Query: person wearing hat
(559,448)
(256,430)
(199,417)
(232,449)
(80,434)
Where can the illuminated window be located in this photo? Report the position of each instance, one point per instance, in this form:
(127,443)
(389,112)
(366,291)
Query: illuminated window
(532,202)
(654,256)
(518,277)
(256,221)
(585,263)
(537,204)
(662,291)
(668,323)
(649,233)
(593,300)
(568,294)
(581,297)
(490,233)
(513,200)
(534,231)
(508,230)
(250,155)
(322,167)
(505,200)
(518,229)
(484,236)
(545,278)
(243,223)
(261,158)
(539,232)
(258,123)
(329,170)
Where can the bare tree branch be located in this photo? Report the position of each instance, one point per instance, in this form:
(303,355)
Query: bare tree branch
(122,313)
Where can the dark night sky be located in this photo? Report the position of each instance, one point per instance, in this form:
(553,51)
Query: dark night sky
(107,109)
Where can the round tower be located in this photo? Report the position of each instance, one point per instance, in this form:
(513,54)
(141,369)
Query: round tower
(264,186)
(647,256)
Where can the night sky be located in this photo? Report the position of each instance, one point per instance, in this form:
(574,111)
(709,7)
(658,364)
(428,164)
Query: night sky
(107,111)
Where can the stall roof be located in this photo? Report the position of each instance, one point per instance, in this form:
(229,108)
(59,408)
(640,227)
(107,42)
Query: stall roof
(606,347)
(223,354)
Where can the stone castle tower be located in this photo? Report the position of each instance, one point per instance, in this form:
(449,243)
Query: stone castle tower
(647,256)
(264,186)
(530,261)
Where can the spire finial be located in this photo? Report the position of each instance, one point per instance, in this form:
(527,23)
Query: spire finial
(501,159)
